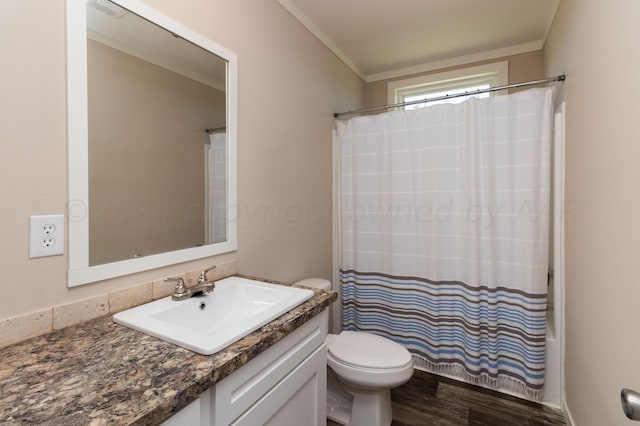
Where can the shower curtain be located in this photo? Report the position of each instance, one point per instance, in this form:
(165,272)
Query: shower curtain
(444,234)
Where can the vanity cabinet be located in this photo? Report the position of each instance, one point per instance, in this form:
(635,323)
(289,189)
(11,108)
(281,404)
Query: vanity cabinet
(283,386)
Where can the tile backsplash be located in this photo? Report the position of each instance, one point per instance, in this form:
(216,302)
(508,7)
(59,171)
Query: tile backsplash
(32,324)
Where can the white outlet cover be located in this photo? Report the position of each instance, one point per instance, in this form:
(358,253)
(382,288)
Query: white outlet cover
(46,235)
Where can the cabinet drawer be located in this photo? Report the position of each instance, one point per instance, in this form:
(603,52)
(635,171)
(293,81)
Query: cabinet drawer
(233,395)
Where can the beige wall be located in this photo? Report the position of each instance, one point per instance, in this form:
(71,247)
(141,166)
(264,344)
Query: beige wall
(523,67)
(289,85)
(596,44)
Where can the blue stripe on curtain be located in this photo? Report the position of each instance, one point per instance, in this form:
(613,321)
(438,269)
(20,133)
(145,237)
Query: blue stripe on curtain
(501,333)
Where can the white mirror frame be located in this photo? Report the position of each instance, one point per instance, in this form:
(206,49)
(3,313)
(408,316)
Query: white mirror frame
(78,150)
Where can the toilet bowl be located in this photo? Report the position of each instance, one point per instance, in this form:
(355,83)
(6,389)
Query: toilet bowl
(362,368)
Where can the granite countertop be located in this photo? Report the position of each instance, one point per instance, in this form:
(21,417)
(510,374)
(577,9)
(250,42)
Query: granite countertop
(100,373)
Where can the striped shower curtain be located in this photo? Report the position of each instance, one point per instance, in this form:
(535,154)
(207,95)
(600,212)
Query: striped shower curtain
(444,234)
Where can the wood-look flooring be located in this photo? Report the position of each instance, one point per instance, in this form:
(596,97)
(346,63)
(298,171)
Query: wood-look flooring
(430,400)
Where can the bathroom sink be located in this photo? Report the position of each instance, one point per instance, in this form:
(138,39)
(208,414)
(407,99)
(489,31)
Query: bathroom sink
(206,324)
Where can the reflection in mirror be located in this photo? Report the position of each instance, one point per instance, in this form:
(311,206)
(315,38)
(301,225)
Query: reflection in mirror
(159,156)
(151,97)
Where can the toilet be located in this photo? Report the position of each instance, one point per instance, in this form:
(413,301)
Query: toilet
(363,367)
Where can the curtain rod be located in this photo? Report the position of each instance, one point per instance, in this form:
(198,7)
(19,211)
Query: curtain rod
(217,129)
(439,98)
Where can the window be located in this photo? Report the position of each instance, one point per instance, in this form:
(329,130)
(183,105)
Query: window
(448,83)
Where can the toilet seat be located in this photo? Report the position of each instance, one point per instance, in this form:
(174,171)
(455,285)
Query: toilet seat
(368,361)
(366,350)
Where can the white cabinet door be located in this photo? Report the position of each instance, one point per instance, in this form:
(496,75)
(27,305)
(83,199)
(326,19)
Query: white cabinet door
(300,409)
(286,385)
(233,396)
(300,399)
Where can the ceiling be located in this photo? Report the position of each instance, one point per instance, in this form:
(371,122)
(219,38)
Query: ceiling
(381,39)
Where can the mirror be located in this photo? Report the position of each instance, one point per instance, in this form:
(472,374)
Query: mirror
(152,141)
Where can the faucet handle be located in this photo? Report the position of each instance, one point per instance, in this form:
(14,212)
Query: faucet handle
(181,289)
(202,278)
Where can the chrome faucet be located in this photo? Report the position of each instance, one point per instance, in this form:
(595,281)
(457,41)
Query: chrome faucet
(204,286)
(202,278)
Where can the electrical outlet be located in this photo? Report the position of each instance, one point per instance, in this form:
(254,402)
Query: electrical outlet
(49,228)
(48,242)
(46,235)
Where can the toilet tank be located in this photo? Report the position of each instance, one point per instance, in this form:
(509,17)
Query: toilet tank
(319,283)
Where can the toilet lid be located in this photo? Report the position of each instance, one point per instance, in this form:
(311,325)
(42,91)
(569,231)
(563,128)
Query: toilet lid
(368,350)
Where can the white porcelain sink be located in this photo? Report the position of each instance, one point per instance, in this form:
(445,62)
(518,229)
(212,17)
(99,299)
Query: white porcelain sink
(206,324)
